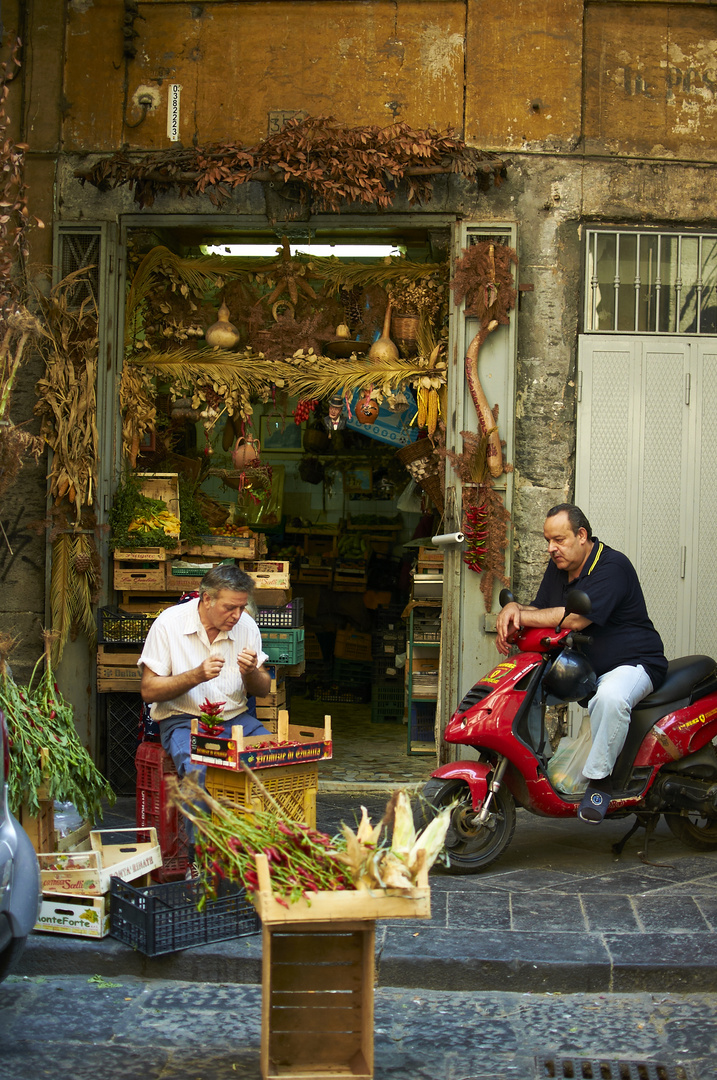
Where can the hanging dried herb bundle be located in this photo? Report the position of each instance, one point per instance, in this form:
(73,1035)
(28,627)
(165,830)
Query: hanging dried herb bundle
(333,165)
(74,588)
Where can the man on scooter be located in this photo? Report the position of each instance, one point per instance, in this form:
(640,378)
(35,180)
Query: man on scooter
(626,651)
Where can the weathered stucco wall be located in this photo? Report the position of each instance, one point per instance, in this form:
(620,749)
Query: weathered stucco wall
(607,112)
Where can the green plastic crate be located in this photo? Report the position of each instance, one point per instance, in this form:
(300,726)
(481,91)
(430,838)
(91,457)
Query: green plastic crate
(284,646)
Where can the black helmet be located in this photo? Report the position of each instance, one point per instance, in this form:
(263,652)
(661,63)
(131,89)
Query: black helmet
(570,678)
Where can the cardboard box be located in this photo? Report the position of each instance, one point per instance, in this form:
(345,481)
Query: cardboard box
(88,873)
(84,916)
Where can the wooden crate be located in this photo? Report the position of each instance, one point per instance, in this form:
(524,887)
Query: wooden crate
(349,905)
(148,554)
(268,575)
(138,577)
(164,486)
(234,547)
(40,827)
(277,697)
(147,603)
(117,669)
(317,1001)
(318,976)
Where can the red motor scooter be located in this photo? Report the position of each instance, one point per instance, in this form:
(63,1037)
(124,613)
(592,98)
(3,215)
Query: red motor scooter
(668,764)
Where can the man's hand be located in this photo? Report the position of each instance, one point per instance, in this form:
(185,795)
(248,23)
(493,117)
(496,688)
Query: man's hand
(247,662)
(507,624)
(210,668)
(257,680)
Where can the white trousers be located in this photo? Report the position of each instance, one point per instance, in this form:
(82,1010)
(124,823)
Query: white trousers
(617,692)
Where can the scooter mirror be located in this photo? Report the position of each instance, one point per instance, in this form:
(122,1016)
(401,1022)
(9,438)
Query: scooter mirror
(578,602)
(505,597)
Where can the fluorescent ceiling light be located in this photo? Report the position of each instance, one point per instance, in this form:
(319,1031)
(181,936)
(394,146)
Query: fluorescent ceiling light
(267,251)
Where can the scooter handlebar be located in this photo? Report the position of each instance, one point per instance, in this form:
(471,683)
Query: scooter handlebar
(581,639)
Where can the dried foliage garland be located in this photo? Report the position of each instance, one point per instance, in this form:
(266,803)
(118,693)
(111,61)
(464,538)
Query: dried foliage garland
(18,328)
(67,402)
(332,164)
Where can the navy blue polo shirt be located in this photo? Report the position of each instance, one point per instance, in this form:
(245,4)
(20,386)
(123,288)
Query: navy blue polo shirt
(621,629)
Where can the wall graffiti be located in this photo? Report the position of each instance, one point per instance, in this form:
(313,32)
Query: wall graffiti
(15,540)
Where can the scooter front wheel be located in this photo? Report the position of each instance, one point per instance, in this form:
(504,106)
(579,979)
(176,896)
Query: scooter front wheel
(470,846)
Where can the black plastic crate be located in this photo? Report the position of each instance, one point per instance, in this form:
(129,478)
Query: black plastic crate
(123,712)
(290,615)
(387,703)
(121,628)
(352,673)
(161,919)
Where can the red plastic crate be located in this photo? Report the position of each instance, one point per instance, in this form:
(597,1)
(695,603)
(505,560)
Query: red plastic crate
(154,767)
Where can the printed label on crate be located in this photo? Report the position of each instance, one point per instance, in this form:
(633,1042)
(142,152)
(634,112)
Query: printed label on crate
(263,758)
(85,916)
(210,751)
(88,873)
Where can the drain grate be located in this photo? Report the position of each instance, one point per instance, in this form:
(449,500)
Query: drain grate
(580,1068)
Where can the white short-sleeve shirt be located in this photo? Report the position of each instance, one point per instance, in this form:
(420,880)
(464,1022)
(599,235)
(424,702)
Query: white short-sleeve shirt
(178,642)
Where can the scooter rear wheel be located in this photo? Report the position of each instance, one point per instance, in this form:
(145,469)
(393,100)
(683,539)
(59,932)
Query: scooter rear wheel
(470,848)
(700,834)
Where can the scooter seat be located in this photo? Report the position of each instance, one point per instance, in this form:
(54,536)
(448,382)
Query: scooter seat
(683,675)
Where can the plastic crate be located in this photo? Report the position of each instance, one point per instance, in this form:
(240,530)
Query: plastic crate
(120,628)
(284,646)
(293,787)
(352,673)
(423,721)
(290,615)
(341,694)
(387,702)
(164,918)
(154,767)
(123,713)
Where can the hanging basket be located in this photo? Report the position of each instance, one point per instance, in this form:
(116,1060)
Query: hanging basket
(415,451)
(432,486)
(404,332)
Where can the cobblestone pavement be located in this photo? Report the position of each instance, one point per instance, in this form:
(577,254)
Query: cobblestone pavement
(80,1028)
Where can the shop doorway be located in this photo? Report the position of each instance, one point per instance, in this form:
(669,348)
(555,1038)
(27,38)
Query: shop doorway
(339,507)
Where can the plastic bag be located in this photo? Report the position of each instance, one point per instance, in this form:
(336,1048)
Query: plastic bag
(566,765)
